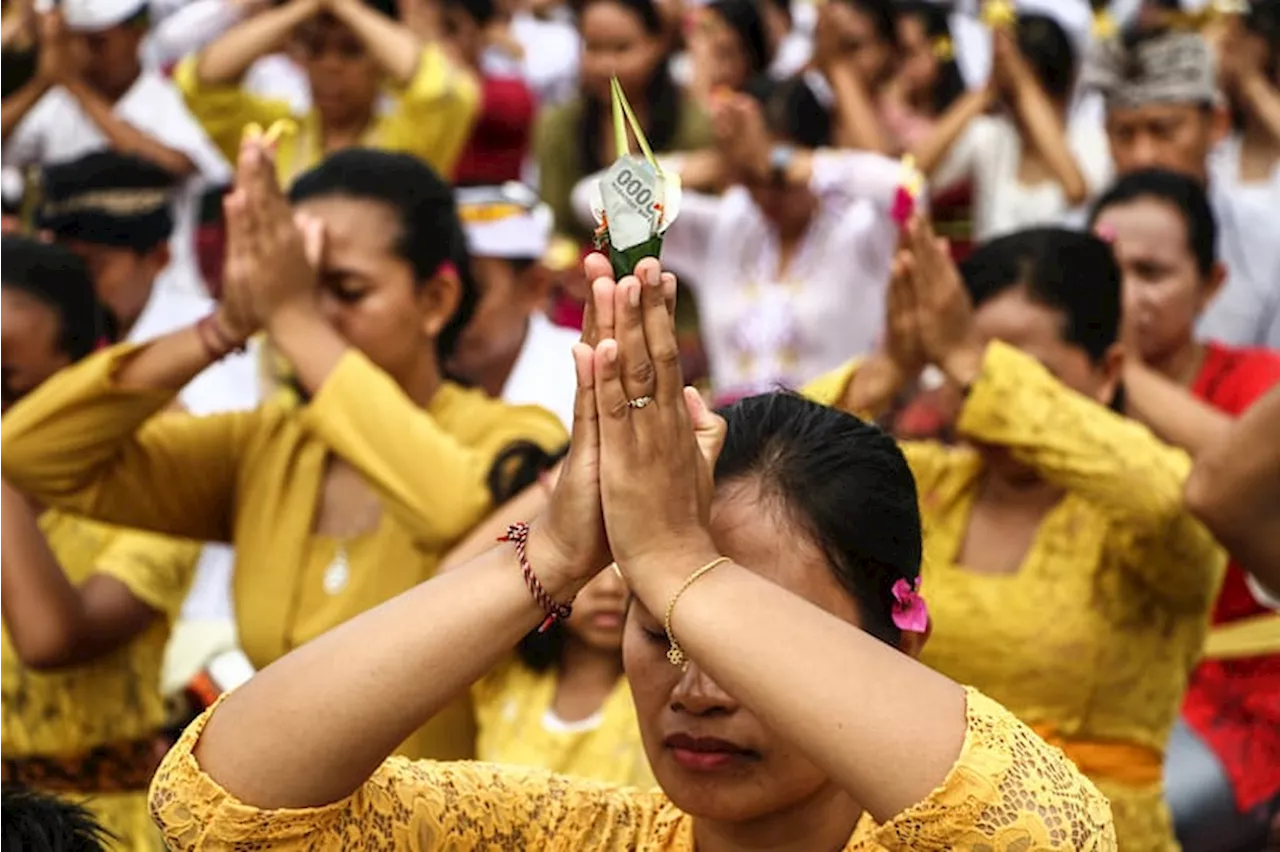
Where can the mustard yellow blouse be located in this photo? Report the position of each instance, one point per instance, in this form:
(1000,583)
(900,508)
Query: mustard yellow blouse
(1007,792)
(515,726)
(115,698)
(1092,639)
(254,478)
(429,118)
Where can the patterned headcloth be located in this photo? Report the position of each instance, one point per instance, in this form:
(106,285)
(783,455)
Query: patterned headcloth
(108,198)
(1169,67)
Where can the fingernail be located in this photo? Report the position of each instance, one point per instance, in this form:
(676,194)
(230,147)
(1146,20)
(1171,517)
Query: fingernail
(633,293)
(609,348)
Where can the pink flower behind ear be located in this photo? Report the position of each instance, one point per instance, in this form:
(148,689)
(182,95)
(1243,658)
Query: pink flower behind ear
(909,610)
(1105,232)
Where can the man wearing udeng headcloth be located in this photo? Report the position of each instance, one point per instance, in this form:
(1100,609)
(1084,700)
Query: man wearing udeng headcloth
(115,212)
(1164,110)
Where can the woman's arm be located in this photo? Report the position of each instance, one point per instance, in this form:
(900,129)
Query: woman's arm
(392,45)
(196,24)
(1234,489)
(931,152)
(857,124)
(52,623)
(529,503)
(225,61)
(1040,121)
(95,440)
(1176,416)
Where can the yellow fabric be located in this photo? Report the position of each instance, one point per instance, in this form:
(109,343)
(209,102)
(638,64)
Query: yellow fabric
(254,478)
(1096,633)
(1247,637)
(511,704)
(1008,792)
(429,118)
(115,698)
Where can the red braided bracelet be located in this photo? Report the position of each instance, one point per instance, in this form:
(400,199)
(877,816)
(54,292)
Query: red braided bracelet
(518,534)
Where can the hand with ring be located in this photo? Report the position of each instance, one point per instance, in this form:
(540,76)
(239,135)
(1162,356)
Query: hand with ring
(658,441)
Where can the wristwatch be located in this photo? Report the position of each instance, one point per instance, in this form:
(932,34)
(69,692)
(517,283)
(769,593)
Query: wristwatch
(780,159)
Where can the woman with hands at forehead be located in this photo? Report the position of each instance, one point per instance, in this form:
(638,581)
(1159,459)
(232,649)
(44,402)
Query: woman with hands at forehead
(335,502)
(772,555)
(1054,504)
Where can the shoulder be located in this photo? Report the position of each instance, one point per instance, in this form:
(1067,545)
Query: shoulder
(1006,787)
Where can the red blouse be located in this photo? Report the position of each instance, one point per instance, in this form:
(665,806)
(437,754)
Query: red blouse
(1234,705)
(500,139)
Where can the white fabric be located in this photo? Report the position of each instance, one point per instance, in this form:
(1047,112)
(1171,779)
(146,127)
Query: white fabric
(57,130)
(551,56)
(1246,312)
(98,15)
(519,237)
(189,28)
(761,326)
(279,77)
(229,385)
(543,373)
(990,150)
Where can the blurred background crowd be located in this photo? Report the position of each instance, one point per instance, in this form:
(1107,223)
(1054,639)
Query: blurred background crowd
(457,143)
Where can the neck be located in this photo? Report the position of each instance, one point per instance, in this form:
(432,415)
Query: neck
(344,131)
(824,821)
(1019,491)
(493,376)
(423,381)
(582,664)
(1182,365)
(115,93)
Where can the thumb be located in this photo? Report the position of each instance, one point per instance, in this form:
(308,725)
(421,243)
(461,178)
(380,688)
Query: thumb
(312,238)
(708,427)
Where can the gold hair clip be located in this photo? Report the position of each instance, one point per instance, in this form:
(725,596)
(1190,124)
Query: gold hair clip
(1104,25)
(943,49)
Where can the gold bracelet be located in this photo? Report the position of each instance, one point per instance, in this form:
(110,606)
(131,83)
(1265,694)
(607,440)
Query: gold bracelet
(675,653)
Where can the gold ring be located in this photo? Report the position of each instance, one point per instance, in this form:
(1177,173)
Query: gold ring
(640,401)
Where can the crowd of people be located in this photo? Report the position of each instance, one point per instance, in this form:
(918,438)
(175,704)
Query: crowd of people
(923,494)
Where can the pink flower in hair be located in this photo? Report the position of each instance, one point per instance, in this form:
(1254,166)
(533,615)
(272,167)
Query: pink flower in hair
(909,611)
(1105,232)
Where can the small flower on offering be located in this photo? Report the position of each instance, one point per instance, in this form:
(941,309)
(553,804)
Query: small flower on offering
(909,610)
(279,129)
(635,201)
(998,14)
(1104,25)
(909,189)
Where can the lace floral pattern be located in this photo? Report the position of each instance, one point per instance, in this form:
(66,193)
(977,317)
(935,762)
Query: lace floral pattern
(1008,792)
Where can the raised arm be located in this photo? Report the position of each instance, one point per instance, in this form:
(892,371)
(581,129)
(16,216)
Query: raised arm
(196,24)
(1235,489)
(1176,416)
(932,151)
(1039,118)
(392,45)
(225,60)
(54,624)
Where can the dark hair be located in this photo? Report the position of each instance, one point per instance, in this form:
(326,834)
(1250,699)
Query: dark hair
(429,234)
(1070,272)
(950,84)
(1048,51)
(792,111)
(36,822)
(744,18)
(57,278)
(481,11)
(883,15)
(844,481)
(661,96)
(1180,192)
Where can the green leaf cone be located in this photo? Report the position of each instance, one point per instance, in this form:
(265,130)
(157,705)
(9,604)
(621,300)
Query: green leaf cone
(625,260)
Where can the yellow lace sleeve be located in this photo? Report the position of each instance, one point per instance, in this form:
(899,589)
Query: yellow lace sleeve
(1008,791)
(405,805)
(1112,461)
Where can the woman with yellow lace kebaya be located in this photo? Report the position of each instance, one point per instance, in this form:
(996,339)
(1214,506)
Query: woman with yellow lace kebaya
(779,704)
(87,607)
(339,501)
(1067,578)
